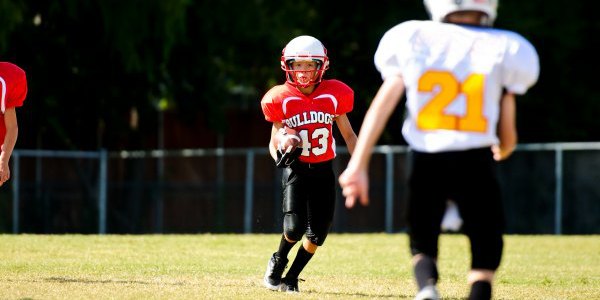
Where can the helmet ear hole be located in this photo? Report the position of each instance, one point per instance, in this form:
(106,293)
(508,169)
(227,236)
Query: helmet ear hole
(319,64)
(290,63)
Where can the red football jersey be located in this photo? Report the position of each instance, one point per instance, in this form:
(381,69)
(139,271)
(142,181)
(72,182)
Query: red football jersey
(13,89)
(312,116)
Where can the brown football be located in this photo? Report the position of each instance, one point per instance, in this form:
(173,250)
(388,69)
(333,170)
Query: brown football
(290,139)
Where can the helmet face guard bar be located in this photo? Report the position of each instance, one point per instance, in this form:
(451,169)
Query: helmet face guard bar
(322,66)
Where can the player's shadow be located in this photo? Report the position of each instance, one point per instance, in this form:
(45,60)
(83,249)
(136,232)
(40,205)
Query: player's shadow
(91,281)
(368,295)
(358,294)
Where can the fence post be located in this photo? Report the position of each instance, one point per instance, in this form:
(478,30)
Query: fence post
(15,185)
(389,189)
(249,191)
(102,184)
(558,169)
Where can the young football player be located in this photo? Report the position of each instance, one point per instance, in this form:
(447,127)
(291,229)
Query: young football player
(13,87)
(460,77)
(303,111)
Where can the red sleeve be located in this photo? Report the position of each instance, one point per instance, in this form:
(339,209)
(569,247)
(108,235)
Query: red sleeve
(13,85)
(271,108)
(346,99)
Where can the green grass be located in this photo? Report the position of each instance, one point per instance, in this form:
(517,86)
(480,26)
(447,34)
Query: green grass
(231,266)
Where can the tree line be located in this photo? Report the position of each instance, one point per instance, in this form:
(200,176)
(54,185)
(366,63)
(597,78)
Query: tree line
(100,71)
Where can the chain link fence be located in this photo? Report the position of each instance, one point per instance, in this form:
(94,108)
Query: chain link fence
(548,189)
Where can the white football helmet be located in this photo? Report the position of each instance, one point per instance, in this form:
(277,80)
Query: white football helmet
(439,9)
(304,48)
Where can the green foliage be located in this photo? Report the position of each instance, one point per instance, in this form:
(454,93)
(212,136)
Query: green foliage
(11,16)
(142,33)
(90,63)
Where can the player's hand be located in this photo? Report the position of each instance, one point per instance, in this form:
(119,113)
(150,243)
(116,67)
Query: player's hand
(355,185)
(501,154)
(288,157)
(4,173)
(496,153)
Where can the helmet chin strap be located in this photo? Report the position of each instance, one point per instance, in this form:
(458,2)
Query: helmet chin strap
(316,79)
(305,85)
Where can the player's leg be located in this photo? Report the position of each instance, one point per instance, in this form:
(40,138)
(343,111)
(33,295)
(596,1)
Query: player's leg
(426,206)
(305,252)
(321,205)
(483,214)
(294,226)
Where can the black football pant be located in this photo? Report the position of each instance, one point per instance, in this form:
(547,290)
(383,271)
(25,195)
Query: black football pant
(468,178)
(308,201)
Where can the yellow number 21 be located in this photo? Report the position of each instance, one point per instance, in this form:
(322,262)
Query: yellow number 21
(432,116)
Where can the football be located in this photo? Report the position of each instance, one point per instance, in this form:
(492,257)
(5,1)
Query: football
(289,140)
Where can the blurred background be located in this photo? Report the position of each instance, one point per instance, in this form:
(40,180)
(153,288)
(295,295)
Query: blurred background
(144,116)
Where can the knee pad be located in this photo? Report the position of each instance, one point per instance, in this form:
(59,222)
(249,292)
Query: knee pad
(421,243)
(487,251)
(293,227)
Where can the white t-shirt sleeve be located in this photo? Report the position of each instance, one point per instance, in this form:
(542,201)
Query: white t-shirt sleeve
(392,49)
(521,66)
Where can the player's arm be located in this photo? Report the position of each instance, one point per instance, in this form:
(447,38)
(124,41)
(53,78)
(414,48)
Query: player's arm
(12,131)
(507,129)
(354,179)
(521,71)
(347,132)
(275,137)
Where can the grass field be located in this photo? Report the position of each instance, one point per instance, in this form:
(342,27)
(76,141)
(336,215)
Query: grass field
(231,266)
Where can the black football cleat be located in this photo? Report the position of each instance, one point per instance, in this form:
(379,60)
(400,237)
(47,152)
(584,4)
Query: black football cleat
(274,271)
(289,285)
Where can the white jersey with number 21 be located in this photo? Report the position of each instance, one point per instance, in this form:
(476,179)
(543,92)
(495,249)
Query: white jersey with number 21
(455,76)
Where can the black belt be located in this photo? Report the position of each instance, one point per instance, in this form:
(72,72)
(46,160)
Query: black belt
(312,166)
